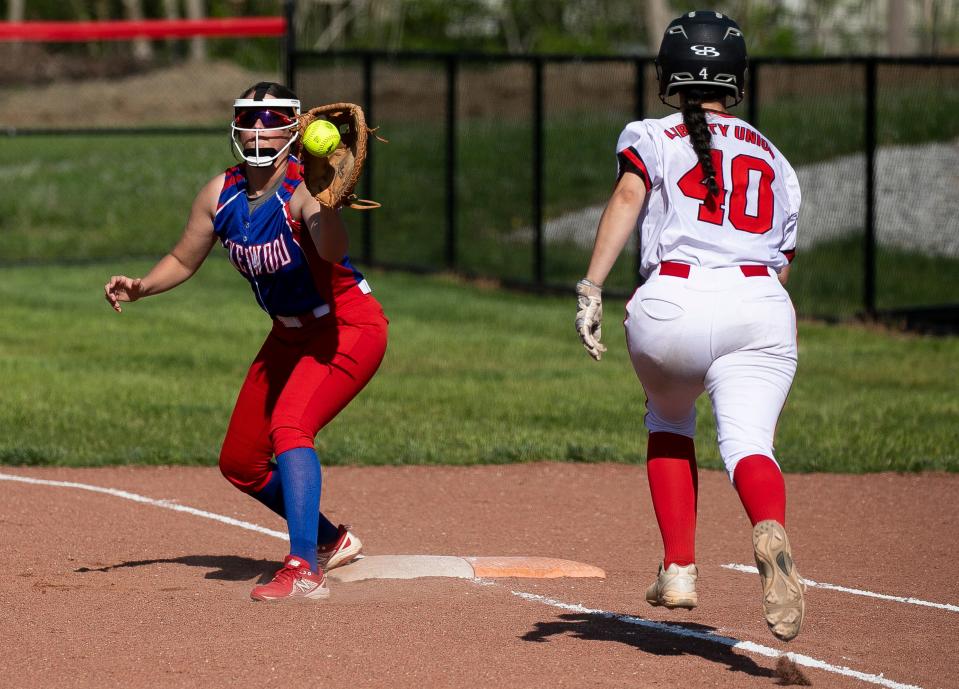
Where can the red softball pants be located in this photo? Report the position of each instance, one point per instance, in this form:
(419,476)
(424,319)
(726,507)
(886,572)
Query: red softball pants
(300,379)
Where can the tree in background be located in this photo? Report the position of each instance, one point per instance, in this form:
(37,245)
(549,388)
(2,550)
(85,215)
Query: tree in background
(142,48)
(514,26)
(843,27)
(194,10)
(782,27)
(15,11)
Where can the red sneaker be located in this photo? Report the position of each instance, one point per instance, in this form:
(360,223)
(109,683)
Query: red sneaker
(342,551)
(293,581)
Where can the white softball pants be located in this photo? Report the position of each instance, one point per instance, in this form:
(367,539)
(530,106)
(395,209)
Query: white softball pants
(723,332)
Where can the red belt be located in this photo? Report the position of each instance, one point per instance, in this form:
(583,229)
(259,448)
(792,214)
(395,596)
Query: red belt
(681,270)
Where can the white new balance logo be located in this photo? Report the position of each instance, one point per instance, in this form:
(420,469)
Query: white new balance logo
(304,586)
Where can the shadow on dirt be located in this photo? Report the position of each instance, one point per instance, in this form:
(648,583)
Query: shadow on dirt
(591,627)
(225,567)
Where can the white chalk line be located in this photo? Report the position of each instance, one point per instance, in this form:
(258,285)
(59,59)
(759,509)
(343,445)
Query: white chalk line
(745,646)
(166,504)
(749,569)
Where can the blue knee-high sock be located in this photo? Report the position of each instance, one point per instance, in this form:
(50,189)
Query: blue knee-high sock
(301,479)
(271,495)
(327,531)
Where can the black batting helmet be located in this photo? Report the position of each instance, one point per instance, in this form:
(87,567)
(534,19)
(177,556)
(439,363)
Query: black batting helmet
(704,49)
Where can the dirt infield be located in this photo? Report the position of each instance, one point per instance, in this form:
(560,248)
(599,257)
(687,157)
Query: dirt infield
(100,589)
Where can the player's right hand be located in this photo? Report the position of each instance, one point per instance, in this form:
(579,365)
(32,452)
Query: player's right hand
(589,317)
(121,288)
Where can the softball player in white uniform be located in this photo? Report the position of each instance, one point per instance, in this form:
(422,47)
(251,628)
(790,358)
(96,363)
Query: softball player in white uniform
(716,204)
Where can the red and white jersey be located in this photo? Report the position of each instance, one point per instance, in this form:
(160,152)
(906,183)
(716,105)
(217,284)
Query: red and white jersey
(751,221)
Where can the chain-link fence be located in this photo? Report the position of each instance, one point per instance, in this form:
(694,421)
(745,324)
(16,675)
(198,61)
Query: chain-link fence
(875,144)
(496,166)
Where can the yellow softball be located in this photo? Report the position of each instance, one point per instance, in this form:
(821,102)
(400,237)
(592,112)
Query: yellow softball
(321,138)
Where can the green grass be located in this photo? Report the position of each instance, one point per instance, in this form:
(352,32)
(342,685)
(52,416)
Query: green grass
(93,197)
(472,375)
(826,281)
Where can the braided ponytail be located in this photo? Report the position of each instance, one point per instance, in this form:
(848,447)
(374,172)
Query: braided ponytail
(694,117)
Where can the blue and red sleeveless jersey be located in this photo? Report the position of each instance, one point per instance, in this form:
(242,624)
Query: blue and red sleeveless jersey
(275,253)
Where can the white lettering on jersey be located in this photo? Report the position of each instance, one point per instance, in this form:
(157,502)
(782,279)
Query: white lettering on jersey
(259,259)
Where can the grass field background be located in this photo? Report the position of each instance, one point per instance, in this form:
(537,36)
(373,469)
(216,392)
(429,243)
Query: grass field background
(472,375)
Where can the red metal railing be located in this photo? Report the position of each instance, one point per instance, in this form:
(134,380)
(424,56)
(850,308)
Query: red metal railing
(149,28)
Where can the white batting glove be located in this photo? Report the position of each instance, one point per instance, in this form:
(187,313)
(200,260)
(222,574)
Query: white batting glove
(589,317)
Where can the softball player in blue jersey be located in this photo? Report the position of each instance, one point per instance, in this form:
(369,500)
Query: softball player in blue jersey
(327,340)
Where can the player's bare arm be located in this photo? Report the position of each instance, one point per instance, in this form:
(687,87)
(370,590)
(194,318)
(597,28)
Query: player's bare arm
(183,260)
(615,226)
(784,275)
(325,225)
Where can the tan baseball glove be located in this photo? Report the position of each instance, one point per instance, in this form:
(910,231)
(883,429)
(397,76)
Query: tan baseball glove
(331,180)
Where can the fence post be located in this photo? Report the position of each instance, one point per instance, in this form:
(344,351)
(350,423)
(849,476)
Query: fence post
(538,170)
(639,113)
(289,43)
(752,95)
(452,69)
(869,239)
(370,167)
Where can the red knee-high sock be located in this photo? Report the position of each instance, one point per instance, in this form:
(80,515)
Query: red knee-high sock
(674,486)
(761,488)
